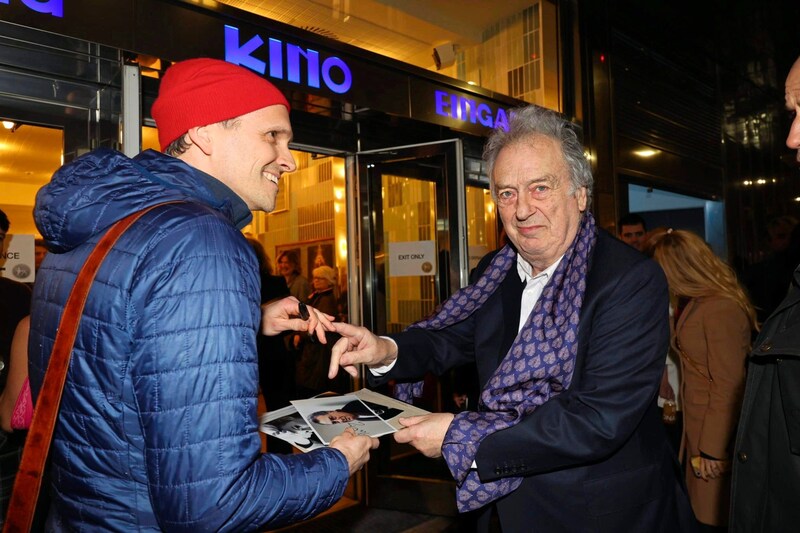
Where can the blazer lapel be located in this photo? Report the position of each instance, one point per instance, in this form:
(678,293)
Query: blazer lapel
(511,300)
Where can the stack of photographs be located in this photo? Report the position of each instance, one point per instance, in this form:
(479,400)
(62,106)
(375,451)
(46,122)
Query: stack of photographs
(313,423)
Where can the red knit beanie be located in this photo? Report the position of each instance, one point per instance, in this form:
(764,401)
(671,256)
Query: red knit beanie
(203,91)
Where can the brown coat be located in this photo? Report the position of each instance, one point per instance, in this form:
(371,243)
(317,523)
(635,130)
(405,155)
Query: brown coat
(712,336)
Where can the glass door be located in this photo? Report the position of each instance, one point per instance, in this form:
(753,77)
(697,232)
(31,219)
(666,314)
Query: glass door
(413,256)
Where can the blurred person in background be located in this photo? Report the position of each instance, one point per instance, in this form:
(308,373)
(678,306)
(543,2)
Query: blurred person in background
(632,230)
(289,268)
(713,323)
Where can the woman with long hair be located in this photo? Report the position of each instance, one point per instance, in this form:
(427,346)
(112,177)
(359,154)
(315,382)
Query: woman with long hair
(289,268)
(714,320)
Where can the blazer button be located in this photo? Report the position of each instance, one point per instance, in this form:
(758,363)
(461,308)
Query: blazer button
(742,457)
(767,346)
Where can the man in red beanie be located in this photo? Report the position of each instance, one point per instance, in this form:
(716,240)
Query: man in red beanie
(157,428)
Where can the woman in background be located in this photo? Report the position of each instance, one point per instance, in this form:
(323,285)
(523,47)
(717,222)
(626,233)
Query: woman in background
(289,268)
(713,324)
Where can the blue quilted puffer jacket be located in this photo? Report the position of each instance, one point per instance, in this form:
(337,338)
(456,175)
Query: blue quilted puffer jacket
(157,428)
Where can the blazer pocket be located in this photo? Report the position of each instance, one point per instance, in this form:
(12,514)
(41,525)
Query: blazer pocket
(632,488)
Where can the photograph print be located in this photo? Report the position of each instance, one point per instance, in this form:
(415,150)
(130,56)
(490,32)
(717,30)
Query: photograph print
(287,424)
(331,416)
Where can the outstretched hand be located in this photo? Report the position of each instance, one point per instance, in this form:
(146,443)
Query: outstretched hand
(359,346)
(286,315)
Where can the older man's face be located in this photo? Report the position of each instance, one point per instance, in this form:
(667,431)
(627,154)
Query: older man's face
(793,106)
(540,213)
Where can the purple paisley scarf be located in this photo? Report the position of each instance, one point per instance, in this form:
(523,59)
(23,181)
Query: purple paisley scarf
(537,367)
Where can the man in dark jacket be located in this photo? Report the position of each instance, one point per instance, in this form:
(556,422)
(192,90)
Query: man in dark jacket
(568,328)
(766,463)
(157,427)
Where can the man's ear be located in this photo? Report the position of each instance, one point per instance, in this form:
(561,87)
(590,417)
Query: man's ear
(581,195)
(201,136)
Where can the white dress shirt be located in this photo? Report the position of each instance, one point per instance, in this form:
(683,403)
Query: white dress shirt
(534,285)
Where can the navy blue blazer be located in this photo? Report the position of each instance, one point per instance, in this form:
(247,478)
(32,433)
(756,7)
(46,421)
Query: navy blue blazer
(595,458)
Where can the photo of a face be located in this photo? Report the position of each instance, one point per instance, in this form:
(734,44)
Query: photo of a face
(331,416)
(287,424)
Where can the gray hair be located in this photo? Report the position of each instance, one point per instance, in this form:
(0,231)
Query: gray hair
(532,121)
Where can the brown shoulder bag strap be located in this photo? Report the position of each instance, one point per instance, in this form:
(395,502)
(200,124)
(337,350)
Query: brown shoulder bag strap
(28,482)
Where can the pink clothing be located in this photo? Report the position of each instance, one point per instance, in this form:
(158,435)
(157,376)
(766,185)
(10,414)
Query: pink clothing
(23,410)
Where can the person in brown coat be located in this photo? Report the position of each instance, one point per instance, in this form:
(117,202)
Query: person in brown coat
(712,332)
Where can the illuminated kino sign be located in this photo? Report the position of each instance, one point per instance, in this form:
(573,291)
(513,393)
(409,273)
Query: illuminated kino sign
(332,71)
(462,108)
(48,7)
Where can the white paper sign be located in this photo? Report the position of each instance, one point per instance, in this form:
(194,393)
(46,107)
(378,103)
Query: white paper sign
(414,258)
(17,258)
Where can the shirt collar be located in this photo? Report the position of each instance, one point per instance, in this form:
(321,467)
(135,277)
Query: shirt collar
(525,270)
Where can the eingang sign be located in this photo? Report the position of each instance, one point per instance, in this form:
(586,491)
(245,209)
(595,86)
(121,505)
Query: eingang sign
(48,7)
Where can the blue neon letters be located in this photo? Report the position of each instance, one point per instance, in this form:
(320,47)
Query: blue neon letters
(48,7)
(462,108)
(333,71)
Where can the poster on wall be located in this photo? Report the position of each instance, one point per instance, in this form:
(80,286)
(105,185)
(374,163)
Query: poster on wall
(319,254)
(412,258)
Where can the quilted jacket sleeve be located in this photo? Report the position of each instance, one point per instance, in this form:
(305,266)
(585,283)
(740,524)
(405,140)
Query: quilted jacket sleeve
(194,307)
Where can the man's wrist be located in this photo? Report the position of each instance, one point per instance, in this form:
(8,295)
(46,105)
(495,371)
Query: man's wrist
(388,362)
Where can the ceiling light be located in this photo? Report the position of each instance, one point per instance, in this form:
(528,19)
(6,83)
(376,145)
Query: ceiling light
(645,153)
(9,125)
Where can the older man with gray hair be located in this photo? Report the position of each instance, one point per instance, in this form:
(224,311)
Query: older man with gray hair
(568,327)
